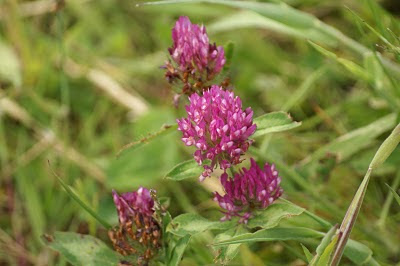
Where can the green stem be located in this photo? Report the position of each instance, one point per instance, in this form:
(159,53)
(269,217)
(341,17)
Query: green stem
(384,151)
(350,219)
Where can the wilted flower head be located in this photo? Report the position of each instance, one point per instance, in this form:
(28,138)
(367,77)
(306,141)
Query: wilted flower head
(218,127)
(138,233)
(129,203)
(196,61)
(251,189)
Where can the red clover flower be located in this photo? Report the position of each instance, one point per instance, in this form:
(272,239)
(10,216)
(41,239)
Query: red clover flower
(196,61)
(249,190)
(218,127)
(139,233)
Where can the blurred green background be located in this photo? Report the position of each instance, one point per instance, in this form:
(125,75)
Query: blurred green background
(80,79)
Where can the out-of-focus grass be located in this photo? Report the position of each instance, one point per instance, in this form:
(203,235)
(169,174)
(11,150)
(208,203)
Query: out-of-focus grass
(81,79)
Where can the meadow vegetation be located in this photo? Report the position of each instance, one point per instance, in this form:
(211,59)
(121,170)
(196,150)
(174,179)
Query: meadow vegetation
(85,108)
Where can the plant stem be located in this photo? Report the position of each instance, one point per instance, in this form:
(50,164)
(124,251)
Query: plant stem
(350,218)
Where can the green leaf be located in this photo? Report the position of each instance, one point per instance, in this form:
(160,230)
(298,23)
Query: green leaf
(271,216)
(273,234)
(357,252)
(308,254)
(386,148)
(324,243)
(229,252)
(86,207)
(166,129)
(396,196)
(274,122)
(323,51)
(184,170)
(190,224)
(178,251)
(82,249)
(327,253)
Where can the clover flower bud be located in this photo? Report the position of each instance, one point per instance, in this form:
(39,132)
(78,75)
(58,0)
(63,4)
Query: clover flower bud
(194,60)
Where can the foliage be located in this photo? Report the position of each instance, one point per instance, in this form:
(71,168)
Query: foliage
(80,86)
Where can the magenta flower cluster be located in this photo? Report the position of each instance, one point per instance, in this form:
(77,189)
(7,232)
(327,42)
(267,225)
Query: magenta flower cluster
(249,190)
(131,203)
(218,127)
(195,62)
(192,50)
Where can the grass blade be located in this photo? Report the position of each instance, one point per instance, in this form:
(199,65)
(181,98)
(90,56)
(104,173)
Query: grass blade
(307,253)
(349,220)
(326,255)
(323,245)
(290,20)
(386,148)
(396,196)
(388,202)
(75,197)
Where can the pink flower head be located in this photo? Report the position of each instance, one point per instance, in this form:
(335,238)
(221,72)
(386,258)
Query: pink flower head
(131,203)
(195,62)
(218,127)
(139,233)
(192,50)
(252,188)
